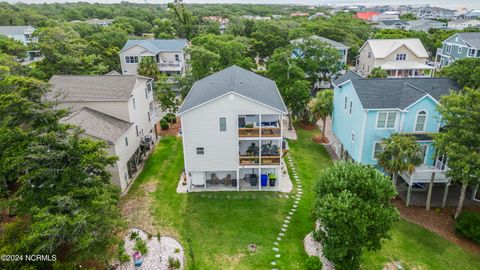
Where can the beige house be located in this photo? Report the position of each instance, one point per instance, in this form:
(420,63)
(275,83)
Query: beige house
(401,58)
(119,110)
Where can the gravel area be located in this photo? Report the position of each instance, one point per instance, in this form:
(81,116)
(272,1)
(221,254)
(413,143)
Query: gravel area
(158,252)
(314,248)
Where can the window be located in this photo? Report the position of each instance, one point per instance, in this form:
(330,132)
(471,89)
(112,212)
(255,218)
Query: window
(177,57)
(448,48)
(136,129)
(471,52)
(200,151)
(148,115)
(131,59)
(401,56)
(353,136)
(423,152)
(223,124)
(420,121)
(126,141)
(134,105)
(386,119)
(369,55)
(157,57)
(377,149)
(350,110)
(459,49)
(345,103)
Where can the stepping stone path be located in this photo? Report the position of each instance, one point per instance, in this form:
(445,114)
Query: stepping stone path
(296,196)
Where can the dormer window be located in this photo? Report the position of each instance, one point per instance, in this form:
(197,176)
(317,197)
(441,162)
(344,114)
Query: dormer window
(131,59)
(401,57)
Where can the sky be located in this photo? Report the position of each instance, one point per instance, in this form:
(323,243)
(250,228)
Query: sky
(453,4)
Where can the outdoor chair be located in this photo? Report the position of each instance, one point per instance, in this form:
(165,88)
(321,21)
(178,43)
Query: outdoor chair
(227,180)
(215,179)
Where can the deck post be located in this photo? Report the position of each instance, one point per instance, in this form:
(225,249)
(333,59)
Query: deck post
(445,194)
(238,180)
(409,193)
(430,187)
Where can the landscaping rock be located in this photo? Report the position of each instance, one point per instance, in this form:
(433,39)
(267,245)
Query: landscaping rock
(314,248)
(252,247)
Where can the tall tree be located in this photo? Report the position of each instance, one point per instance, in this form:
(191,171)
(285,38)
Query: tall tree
(400,153)
(378,72)
(460,138)
(354,209)
(184,19)
(268,36)
(323,106)
(466,72)
(148,68)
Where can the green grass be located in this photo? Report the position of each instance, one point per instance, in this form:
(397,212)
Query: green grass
(215,231)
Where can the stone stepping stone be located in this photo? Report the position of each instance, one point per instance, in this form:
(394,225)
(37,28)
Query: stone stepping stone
(209,196)
(203,195)
(277,255)
(287,221)
(284,230)
(279,239)
(281,234)
(290,213)
(275,243)
(289,217)
(274,263)
(275,249)
(285,225)
(294,209)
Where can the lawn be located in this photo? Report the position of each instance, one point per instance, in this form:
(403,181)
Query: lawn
(216,228)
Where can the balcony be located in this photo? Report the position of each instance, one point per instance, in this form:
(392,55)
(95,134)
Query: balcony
(248,132)
(249,152)
(271,132)
(259,126)
(171,66)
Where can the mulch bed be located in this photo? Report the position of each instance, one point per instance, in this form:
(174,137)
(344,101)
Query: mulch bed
(441,223)
(320,139)
(172,130)
(308,127)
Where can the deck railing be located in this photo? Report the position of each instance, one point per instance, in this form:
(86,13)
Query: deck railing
(271,132)
(270,160)
(248,132)
(249,160)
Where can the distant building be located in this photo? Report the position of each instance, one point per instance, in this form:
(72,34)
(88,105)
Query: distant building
(459,46)
(299,14)
(170,55)
(257,18)
(24,34)
(473,14)
(434,13)
(392,24)
(385,16)
(400,58)
(276,17)
(100,22)
(223,22)
(367,15)
(425,25)
(318,15)
(463,23)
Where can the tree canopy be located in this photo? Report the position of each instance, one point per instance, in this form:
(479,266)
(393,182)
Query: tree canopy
(466,72)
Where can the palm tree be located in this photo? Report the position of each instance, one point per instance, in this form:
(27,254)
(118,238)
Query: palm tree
(400,153)
(148,68)
(322,106)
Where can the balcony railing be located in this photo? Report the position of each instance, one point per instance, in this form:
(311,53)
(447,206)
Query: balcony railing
(270,160)
(249,160)
(176,64)
(271,132)
(248,132)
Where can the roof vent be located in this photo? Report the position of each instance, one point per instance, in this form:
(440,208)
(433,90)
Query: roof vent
(211,82)
(241,82)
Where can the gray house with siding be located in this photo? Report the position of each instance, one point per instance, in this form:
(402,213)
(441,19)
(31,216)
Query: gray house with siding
(458,46)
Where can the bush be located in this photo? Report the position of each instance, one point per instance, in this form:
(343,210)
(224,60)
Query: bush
(171,118)
(468,224)
(133,235)
(173,263)
(141,245)
(313,263)
(164,124)
(122,255)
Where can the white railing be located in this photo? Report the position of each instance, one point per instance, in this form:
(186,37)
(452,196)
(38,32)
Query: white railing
(173,64)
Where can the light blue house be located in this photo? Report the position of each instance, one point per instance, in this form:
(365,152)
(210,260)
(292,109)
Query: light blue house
(459,46)
(366,111)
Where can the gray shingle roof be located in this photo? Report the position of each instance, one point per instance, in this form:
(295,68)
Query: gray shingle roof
(158,45)
(92,88)
(14,30)
(399,93)
(333,43)
(393,22)
(349,75)
(472,38)
(238,80)
(98,124)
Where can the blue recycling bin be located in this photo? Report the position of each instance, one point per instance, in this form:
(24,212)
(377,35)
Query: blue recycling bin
(264,179)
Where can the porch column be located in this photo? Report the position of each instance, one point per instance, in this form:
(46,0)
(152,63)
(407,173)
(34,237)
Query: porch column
(260,172)
(396,73)
(429,194)
(409,193)
(238,180)
(445,194)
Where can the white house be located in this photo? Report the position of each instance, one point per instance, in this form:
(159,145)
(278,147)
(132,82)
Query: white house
(461,24)
(401,58)
(392,24)
(116,109)
(232,132)
(24,34)
(169,54)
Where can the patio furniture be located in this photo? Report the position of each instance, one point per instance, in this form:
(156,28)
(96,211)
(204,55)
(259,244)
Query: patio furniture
(215,179)
(227,180)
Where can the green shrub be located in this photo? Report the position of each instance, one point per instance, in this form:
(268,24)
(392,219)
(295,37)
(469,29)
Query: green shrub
(141,245)
(164,124)
(468,224)
(313,263)
(171,118)
(149,235)
(133,235)
(173,263)
(122,255)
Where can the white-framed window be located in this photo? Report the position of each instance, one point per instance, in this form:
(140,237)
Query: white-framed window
(345,101)
(126,141)
(177,57)
(134,105)
(448,48)
(223,123)
(350,109)
(369,55)
(459,49)
(377,149)
(471,52)
(401,56)
(200,150)
(386,119)
(420,121)
(136,129)
(131,59)
(353,137)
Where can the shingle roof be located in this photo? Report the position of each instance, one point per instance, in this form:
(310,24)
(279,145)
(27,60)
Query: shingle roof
(98,124)
(393,22)
(472,38)
(92,88)
(238,80)
(158,45)
(349,75)
(333,43)
(399,93)
(14,30)
(382,48)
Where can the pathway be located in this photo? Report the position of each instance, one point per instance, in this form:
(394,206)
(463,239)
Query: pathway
(297,195)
